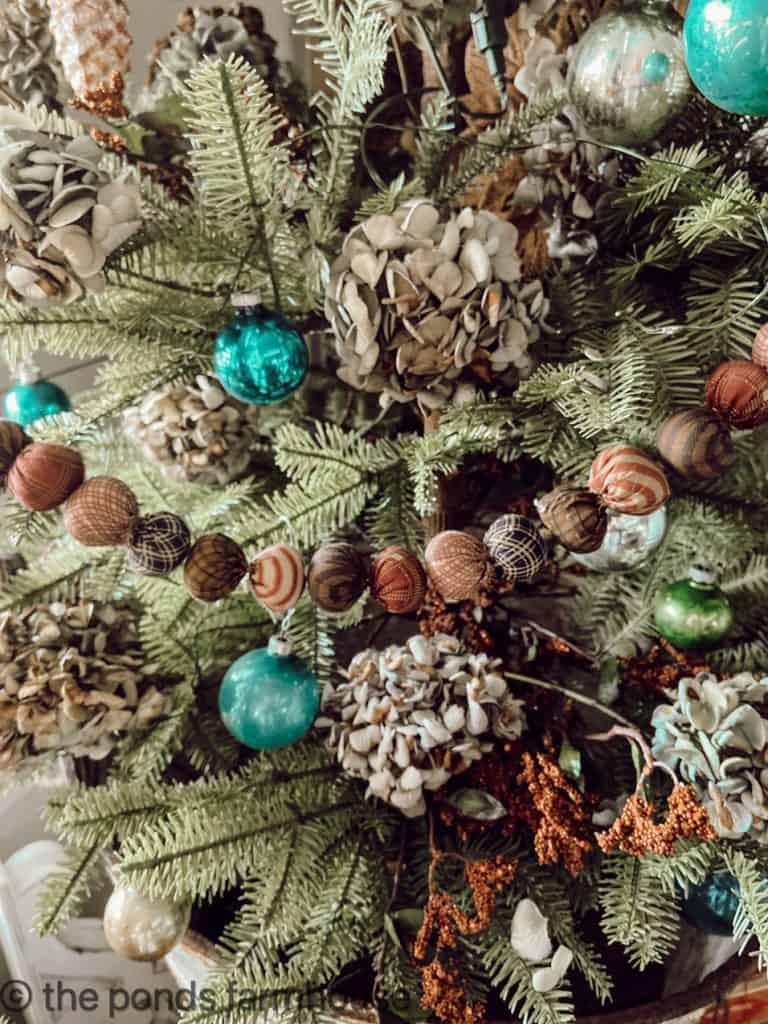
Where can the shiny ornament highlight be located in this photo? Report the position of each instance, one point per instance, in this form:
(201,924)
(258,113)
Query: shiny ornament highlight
(30,401)
(628,543)
(711,906)
(726,49)
(268,698)
(627,78)
(139,928)
(694,613)
(260,357)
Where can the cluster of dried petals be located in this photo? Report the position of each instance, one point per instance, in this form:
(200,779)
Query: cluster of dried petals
(637,832)
(431,309)
(72,678)
(408,718)
(196,432)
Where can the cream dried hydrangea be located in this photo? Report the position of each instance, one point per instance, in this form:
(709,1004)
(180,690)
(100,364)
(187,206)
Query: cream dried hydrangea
(409,718)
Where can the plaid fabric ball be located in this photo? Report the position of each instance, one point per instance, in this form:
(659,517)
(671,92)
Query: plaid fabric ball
(158,543)
(214,568)
(738,392)
(516,547)
(575,516)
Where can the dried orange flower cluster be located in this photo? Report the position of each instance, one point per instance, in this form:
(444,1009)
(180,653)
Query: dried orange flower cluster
(636,832)
(106,100)
(437,616)
(662,668)
(556,812)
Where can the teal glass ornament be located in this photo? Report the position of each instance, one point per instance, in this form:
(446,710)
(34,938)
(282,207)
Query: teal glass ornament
(268,697)
(29,401)
(260,357)
(726,49)
(694,613)
(712,905)
(628,543)
(627,79)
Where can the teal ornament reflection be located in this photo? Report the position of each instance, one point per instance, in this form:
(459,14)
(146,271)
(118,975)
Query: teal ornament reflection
(268,700)
(629,542)
(627,79)
(726,49)
(260,357)
(712,905)
(26,403)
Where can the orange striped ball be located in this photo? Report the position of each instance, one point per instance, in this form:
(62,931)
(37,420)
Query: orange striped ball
(738,392)
(628,480)
(276,577)
(44,475)
(760,347)
(398,581)
(102,511)
(215,566)
(457,565)
(696,443)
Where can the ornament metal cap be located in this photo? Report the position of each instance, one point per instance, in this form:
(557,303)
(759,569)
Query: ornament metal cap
(243,300)
(703,573)
(280,646)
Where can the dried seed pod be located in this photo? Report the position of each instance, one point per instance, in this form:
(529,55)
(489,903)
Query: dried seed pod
(12,441)
(575,516)
(696,443)
(398,581)
(337,576)
(457,564)
(628,480)
(738,392)
(44,475)
(214,568)
(158,543)
(516,547)
(102,511)
(276,577)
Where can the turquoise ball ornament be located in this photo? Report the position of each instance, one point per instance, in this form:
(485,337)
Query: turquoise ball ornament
(29,401)
(726,50)
(268,697)
(694,613)
(260,357)
(712,905)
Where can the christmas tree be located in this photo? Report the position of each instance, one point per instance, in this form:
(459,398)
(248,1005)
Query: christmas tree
(396,595)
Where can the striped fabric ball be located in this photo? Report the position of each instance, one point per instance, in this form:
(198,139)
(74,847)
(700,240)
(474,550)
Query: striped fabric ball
(276,577)
(338,574)
(158,543)
(760,347)
(738,392)
(628,480)
(696,444)
(215,566)
(516,547)
(44,475)
(575,516)
(457,565)
(398,581)
(100,512)
(12,440)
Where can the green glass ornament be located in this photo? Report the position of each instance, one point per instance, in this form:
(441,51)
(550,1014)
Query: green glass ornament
(694,613)
(268,697)
(712,905)
(29,401)
(260,357)
(627,78)
(726,49)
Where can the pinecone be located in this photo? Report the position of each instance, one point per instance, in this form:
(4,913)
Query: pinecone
(28,64)
(195,432)
(92,40)
(72,678)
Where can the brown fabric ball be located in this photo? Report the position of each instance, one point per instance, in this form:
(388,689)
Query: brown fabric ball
(575,516)
(12,440)
(276,577)
(101,512)
(457,564)
(760,347)
(628,480)
(398,581)
(516,547)
(44,475)
(337,576)
(158,543)
(738,392)
(696,443)
(214,568)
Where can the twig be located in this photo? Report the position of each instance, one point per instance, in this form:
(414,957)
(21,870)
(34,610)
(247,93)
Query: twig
(574,695)
(635,736)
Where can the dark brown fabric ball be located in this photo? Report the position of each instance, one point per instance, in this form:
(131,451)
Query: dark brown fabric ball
(214,568)
(516,547)
(101,512)
(337,576)
(44,475)
(575,516)
(696,443)
(12,440)
(398,581)
(158,543)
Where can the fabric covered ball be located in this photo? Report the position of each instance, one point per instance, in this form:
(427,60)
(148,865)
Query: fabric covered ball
(628,480)
(457,565)
(215,566)
(100,512)
(12,440)
(337,576)
(738,392)
(158,543)
(696,444)
(44,475)
(516,547)
(575,516)
(398,581)
(760,347)
(276,577)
